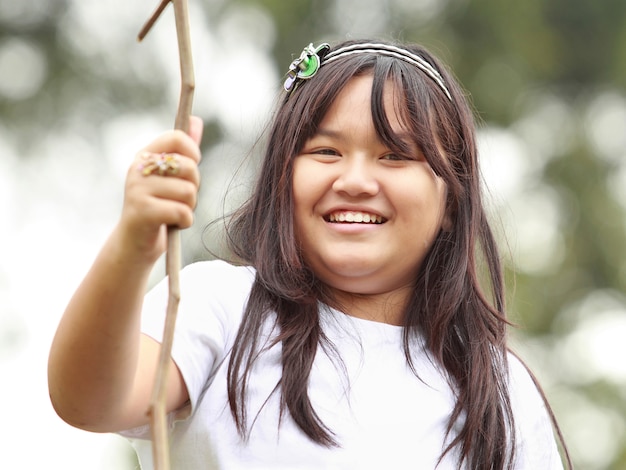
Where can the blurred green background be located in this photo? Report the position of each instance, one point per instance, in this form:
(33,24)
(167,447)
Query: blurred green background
(79,96)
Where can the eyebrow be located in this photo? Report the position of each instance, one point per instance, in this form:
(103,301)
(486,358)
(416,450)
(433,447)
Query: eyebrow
(327,132)
(405,137)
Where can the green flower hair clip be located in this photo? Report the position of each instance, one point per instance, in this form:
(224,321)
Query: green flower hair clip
(305,66)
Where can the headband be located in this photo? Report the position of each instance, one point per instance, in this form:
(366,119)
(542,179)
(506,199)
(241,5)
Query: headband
(312,58)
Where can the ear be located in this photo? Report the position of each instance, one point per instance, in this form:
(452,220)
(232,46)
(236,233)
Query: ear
(447,224)
(447,221)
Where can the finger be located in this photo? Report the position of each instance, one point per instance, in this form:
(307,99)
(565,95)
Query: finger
(169,176)
(166,165)
(175,141)
(196,127)
(155,212)
(150,202)
(174,213)
(173,189)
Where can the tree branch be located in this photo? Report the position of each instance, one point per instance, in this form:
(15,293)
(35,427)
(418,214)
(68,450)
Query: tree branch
(157,410)
(150,23)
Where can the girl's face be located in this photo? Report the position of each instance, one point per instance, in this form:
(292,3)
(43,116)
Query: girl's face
(364,216)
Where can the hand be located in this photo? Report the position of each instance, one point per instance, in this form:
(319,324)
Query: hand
(153,201)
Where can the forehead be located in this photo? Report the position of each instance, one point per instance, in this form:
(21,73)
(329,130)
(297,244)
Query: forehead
(365,97)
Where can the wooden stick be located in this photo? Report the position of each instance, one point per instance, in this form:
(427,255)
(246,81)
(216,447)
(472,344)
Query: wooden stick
(157,410)
(150,23)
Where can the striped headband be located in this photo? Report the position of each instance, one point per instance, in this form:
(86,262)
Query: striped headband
(312,58)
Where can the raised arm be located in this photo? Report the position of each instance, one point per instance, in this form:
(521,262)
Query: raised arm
(101,369)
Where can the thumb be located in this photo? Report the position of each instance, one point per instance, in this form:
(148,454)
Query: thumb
(196,126)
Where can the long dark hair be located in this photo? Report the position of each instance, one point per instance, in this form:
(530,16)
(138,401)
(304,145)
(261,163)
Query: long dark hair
(463,323)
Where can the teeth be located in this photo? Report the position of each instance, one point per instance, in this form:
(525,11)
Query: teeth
(355,217)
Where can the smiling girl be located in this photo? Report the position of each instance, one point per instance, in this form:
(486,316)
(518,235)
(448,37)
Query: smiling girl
(352,331)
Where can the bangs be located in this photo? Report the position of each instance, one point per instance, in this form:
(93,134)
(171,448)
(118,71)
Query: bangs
(412,105)
(309,103)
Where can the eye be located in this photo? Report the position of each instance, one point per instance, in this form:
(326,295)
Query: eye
(326,151)
(321,154)
(399,157)
(413,155)
(394,157)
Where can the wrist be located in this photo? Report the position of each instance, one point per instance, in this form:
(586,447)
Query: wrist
(135,250)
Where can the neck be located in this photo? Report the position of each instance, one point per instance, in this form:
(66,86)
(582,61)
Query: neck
(386,307)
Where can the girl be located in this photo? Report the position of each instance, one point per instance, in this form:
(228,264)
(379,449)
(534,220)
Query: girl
(351,330)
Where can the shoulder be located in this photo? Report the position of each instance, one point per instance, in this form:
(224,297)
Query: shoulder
(524,386)
(525,392)
(216,284)
(536,442)
(209,291)
(218,272)
(520,375)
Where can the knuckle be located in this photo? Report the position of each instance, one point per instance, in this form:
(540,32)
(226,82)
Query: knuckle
(179,139)
(188,191)
(185,217)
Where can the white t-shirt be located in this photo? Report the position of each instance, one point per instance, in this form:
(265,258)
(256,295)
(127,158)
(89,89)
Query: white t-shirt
(381,414)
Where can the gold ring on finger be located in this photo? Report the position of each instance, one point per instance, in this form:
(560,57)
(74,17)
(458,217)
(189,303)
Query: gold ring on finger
(162,164)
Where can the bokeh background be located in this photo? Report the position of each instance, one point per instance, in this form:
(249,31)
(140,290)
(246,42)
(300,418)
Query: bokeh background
(79,96)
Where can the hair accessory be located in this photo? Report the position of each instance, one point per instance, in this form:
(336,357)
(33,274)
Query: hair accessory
(163,164)
(391,51)
(305,66)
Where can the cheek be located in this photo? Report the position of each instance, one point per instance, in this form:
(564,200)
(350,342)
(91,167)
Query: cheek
(440,205)
(301,199)
(440,189)
(307,186)
(298,193)
(425,206)
(446,213)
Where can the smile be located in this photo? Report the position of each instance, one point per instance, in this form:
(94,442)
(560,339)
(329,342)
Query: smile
(355,217)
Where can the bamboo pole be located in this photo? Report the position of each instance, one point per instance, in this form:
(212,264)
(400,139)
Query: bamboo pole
(157,410)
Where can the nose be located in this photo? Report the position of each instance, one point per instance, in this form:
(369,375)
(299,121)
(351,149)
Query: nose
(357,177)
